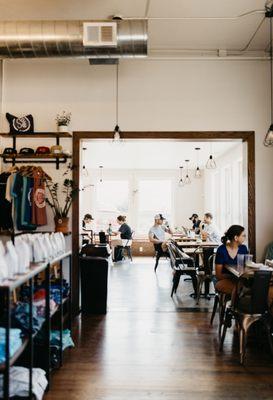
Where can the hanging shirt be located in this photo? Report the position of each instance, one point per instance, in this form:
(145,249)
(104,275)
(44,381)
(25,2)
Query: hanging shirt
(38,201)
(6,221)
(26,206)
(20,195)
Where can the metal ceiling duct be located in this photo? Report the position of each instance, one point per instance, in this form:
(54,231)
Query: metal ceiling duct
(48,39)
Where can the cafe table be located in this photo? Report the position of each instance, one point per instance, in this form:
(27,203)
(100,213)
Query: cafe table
(196,244)
(246,272)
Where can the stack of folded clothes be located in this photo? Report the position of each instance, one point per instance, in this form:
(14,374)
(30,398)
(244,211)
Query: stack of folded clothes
(20,317)
(55,293)
(15,342)
(67,340)
(19,382)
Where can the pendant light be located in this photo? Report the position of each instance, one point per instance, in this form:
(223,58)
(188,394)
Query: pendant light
(187,180)
(268,140)
(101,173)
(211,164)
(181,180)
(117,132)
(198,173)
(85,172)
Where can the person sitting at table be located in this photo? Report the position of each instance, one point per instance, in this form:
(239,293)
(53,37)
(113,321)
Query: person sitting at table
(196,222)
(125,233)
(157,233)
(227,255)
(209,231)
(157,236)
(87,226)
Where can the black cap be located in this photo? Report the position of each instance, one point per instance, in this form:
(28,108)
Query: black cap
(9,150)
(26,150)
(193,216)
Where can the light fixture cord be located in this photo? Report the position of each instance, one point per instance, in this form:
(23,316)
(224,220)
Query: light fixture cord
(271,76)
(117,93)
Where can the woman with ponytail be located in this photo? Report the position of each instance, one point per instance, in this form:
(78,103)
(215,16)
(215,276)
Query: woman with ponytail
(227,255)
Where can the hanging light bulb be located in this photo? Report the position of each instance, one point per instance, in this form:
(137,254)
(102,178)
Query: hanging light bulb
(181,180)
(116,134)
(198,173)
(187,180)
(85,172)
(116,137)
(268,140)
(211,164)
(101,173)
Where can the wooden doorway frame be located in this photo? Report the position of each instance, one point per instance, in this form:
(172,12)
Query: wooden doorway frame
(247,137)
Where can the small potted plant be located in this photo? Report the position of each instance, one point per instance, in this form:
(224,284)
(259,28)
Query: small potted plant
(60,203)
(63,120)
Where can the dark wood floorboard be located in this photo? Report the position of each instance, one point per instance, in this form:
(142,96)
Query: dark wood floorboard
(149,346)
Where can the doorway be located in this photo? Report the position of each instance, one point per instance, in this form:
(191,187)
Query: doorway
(246,138)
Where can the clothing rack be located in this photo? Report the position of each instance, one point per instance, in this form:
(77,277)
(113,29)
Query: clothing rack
(6,289)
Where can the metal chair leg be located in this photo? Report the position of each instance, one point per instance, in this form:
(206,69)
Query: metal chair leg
(227,324)
(215,305)
(242,345)
(156,262)
(199,289)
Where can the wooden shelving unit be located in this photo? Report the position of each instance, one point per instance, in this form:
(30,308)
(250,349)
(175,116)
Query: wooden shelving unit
(6,288)
(35,158)
(37,135)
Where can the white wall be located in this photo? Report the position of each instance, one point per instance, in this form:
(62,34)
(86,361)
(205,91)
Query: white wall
(154,95)
(186,200)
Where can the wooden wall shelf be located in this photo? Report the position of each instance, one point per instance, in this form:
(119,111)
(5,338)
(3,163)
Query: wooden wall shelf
(37,135)
(32,158)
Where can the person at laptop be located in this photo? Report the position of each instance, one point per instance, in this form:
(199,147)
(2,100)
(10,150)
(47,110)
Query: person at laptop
(87,222)
(157,233)
(124,232)
(87,236)
(196,222)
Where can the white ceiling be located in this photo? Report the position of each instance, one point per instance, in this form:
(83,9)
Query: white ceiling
(140,154)
(171,35)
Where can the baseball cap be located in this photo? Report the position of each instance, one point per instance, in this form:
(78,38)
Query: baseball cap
(26,150)
(159,216)
(9,150)
(57,149)
(193,216)
(42,150)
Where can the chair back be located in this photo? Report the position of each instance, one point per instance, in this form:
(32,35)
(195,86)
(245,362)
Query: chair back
(208,253)
(179,258)
(259,293)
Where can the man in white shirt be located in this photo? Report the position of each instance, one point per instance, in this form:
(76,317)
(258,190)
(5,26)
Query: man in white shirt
(209,231)
(157,236)
(157,233)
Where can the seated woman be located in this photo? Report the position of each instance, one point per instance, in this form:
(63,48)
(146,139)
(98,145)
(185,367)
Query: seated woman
(125,233)
(227,255)
(124,230)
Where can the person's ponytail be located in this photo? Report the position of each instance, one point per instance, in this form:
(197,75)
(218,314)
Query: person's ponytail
(231,233)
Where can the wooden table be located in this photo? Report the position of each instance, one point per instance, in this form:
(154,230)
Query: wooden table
(197,244)
(183,238)
(246,272)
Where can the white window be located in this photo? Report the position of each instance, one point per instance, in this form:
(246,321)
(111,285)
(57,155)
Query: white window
(154,196)
(112,200)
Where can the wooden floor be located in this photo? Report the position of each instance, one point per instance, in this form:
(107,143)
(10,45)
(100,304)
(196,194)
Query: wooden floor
(152,347)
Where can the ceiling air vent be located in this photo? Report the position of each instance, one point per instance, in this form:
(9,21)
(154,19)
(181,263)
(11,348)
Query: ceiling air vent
(99,34)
